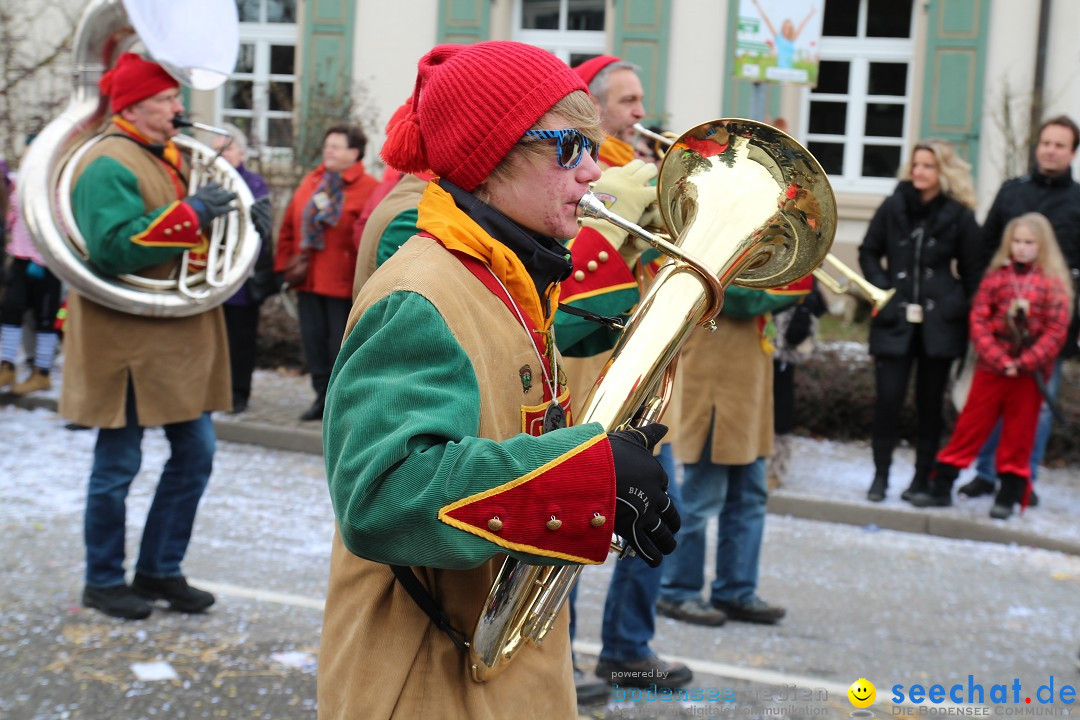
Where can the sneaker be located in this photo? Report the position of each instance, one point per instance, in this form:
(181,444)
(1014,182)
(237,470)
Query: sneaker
(644,673)
(118,601)
(978,487)
(589,691)
(755,610)
(695,610)
(180,596)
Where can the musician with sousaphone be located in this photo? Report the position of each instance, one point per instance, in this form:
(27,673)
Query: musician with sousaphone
(124,372)
(448,435)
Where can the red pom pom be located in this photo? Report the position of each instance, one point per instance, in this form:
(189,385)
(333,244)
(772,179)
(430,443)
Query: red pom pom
(403,149)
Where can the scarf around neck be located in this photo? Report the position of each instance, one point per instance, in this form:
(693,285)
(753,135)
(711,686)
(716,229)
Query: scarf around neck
(614,152)
(439,216)
(322,211)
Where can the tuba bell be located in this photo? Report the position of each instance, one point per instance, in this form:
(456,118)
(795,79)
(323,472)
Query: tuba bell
(107,29)
(748,205)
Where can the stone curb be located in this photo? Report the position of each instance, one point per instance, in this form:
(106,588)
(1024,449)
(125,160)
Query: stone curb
(797,506)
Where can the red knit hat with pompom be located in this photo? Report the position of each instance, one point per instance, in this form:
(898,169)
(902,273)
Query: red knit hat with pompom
(591,67)
(133,79)
(472,104)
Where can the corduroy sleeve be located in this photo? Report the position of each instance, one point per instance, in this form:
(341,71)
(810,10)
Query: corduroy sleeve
(121,236)
(397,232)
(412,484)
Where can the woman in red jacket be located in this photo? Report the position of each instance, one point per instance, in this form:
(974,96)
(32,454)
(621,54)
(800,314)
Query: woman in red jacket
(317,253)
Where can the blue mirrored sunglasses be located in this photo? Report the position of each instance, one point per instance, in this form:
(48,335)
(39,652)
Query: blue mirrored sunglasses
(571,145)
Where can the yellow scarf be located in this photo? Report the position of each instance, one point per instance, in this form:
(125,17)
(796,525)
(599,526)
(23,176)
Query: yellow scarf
(171,154)
(615,153)
(438,215)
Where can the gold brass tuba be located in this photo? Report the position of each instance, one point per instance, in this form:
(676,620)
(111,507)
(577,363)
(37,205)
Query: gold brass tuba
(197,41)
(749,206)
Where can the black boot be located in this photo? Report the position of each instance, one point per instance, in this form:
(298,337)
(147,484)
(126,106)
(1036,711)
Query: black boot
(1011,492)
(876,493)
(940,492)
(925,453)
(882,461)
(315,412)
(920,484)
(978,487)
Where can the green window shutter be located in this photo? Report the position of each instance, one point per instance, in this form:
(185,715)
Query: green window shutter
(326,66)
(464,21)
(738,94)
(953,81)
(641,37)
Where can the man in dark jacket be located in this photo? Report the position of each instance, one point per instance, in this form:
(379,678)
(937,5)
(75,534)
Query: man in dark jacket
(1049,189)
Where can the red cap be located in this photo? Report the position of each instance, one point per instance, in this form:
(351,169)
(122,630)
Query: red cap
(588,69)
(472,104)
(133,79)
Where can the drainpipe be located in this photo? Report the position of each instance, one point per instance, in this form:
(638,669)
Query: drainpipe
(1040,76)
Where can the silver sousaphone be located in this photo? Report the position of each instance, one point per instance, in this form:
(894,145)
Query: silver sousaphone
(196,41)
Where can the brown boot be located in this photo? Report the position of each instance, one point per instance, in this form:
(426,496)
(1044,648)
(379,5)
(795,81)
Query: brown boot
(38,380)
(7,374)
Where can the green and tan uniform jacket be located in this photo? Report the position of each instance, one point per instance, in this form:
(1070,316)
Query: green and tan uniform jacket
(391,224)
(727,380)
(434,462)
(126,202)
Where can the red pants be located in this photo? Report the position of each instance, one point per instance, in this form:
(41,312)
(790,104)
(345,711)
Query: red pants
(1017,400)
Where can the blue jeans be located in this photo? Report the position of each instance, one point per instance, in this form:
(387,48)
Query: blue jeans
(984,463)
(117,458)
(737,494)
(630,607)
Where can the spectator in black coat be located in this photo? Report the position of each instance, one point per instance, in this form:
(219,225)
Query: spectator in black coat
(911,244)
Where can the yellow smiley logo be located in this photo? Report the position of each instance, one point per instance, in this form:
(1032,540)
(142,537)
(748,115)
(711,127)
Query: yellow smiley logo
(862,693)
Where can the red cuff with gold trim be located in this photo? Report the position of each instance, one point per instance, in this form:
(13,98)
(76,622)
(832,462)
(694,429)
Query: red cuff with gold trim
(564,509)
(176,226)
(598,268)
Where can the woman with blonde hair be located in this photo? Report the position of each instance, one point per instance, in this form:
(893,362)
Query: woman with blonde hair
(914,239)
(1018,326)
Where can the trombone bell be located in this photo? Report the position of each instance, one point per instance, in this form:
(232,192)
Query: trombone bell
(878,298)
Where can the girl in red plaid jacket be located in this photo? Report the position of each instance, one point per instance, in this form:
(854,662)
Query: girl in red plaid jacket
(1018,323)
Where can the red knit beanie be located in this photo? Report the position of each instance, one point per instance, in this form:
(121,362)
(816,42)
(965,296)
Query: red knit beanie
(133,79)
(588,69)
(472,104)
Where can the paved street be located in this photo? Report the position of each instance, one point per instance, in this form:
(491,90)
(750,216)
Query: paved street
(896,608)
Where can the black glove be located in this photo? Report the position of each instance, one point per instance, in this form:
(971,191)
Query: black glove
(210,201)
(644,514)
(261,218)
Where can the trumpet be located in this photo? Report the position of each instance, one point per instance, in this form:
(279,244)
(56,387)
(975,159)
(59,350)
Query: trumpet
(878,298)
(661,141)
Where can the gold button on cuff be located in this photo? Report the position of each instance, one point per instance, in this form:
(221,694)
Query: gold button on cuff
(495,524)
(554,523)
(597,520)
(579,275)
(178,227)
(592,266)
(168,231)
(187,223)
(603,256)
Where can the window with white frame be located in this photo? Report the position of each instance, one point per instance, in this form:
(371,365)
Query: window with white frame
(854,120)
(258,98)
(571,29)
